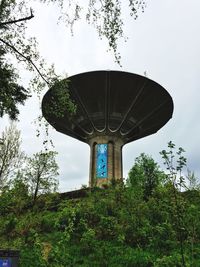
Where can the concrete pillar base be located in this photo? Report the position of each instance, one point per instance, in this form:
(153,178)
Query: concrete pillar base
(114,160)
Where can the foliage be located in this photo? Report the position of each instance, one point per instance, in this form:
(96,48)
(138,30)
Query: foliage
(109,227)
(14,18)
(22,175)
(175,162)
(11,156)
(145,175)
(106,16)
(40,173)
(15,198)
(11,94)
(63,104)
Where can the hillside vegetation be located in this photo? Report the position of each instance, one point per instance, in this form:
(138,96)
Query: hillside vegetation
(111,227)
(151,220)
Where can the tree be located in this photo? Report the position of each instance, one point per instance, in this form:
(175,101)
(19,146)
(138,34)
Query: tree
(11,157)
(145,174)
(40,173)
(175,163)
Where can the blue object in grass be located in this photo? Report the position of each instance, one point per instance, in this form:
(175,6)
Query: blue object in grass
(5,262)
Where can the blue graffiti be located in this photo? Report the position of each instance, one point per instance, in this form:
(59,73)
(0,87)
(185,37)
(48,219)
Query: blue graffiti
(102,159)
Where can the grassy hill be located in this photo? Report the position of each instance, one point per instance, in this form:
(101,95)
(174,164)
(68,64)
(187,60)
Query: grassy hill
(113,227)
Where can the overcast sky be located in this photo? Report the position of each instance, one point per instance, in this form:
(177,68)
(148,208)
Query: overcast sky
(164,42)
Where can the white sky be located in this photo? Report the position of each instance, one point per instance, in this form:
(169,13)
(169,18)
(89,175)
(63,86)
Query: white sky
(164,42)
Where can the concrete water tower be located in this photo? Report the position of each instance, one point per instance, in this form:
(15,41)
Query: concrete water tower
(113,109)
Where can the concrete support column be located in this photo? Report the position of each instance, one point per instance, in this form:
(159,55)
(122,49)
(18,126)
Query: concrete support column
(114,159)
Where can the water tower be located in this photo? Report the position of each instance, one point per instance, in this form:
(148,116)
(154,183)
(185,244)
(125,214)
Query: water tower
(113,109)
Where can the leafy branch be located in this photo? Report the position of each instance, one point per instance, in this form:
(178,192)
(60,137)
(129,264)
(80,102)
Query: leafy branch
(18,20)
(26,58)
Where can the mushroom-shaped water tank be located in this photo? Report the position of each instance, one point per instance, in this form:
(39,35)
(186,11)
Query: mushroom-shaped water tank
(113,108)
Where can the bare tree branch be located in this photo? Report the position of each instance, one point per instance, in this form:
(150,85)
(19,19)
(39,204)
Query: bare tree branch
(26,58)
(17,20)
